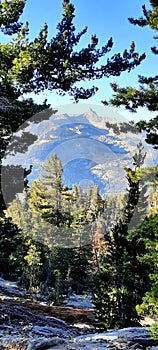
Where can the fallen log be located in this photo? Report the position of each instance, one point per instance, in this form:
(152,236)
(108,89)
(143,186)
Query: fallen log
(68,314)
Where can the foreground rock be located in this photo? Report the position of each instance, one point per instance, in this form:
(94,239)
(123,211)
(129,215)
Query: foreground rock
(33,326)
(128,338)
(28,325)
(43,338)
(22,328)
(10,288)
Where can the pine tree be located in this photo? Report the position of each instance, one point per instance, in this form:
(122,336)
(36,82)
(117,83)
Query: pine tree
(10,238)
(147,93)
(148,231)
(46,192)
(33,268)
(27,251)
(120,271)
(35,67)
(9,16)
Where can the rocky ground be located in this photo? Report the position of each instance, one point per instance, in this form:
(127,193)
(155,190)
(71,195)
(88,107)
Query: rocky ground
(26,325)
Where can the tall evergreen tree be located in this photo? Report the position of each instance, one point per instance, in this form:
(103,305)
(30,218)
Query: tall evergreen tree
(10,238)
(147,93)
(34,66)
(148,231)
(46,192)
(115,299)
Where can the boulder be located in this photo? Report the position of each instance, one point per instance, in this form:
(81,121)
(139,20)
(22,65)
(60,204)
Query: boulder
(10,288)
(51,331)
(84,301)
(132,338)
(44,343)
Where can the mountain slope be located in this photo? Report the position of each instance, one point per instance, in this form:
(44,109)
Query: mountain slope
(90,151)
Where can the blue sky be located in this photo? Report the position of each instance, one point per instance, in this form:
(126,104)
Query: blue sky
(105,19)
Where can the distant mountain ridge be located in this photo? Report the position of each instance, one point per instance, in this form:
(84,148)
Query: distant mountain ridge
(91,152)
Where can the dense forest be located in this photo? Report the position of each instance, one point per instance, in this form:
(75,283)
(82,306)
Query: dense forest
(56,239)
(60,240)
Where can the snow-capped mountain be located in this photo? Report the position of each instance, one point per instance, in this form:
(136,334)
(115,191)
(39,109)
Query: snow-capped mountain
(90,147)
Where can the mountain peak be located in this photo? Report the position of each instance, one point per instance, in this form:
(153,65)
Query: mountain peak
(99,120)
(90,111)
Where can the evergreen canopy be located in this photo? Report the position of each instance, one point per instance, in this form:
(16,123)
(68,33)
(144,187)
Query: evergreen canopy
(147,94)
(56,64)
